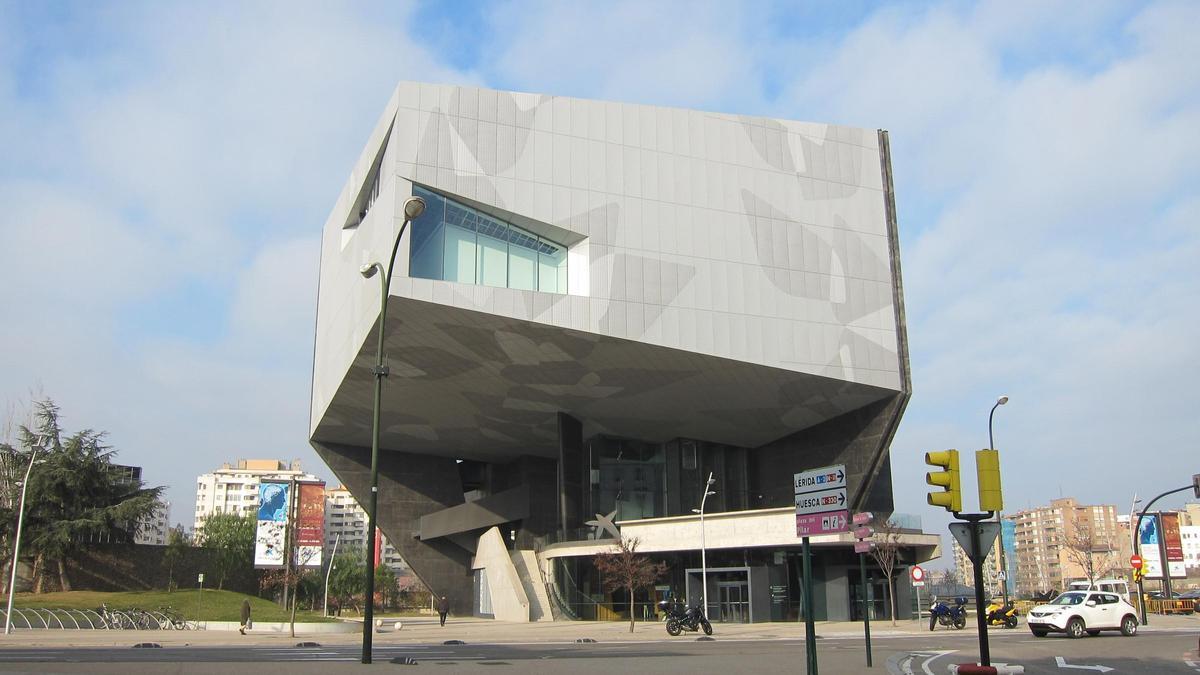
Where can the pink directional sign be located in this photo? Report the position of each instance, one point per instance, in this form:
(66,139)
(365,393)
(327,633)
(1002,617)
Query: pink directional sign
(830,522)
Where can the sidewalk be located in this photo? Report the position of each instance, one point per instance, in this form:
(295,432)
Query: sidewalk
(424,630)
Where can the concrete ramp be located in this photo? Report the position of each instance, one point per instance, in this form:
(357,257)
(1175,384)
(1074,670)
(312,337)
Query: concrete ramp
(526,564)
(509,601)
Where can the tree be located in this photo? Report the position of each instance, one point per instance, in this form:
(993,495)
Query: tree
(176,545)
(348,577)
(886,553)
(231,539)
(385,585)
(624,569)
(288,579)
(1095,556)
(75,493)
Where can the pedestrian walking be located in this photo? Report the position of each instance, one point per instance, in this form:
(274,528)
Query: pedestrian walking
(245,616)
(443,609)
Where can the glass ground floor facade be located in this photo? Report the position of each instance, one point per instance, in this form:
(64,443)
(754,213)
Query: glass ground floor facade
(744,586)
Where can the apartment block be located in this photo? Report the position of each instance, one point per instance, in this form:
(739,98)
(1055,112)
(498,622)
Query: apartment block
(234,488)
(1055,544)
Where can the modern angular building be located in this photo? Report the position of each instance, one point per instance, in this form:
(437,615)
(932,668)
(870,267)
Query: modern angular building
(602,305)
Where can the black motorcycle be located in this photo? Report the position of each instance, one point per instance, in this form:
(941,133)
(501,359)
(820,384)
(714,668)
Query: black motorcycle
(680,618)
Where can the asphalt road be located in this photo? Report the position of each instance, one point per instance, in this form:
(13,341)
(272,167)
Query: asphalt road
(1151,652)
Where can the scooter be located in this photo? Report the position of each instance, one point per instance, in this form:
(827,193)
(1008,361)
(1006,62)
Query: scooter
(946,615)
(681,618)
(999,614)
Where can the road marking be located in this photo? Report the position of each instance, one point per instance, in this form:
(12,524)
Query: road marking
(905,663)
(1062,663)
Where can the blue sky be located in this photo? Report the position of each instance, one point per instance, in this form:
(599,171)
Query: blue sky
(166,169)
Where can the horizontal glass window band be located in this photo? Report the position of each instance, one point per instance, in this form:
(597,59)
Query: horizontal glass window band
(454,242)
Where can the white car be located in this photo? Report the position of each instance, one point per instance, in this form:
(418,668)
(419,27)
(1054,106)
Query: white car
(1079,612)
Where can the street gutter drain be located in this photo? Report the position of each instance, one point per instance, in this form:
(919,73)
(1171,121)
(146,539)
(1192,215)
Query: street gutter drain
(706,639)
(308,644)
(454,642)
(147,645)
(581,641)
(404,661)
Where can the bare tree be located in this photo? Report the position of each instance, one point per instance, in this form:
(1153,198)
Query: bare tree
(624,569)
(1094,555)
(886,553)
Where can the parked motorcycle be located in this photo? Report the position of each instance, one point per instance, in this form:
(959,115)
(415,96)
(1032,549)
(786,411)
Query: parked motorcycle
(999,614)
(946,615)
(681,618)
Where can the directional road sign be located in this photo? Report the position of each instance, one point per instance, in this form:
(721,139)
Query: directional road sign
(821,501)
(824,478)
(863,546)
(818,502)
(822,523)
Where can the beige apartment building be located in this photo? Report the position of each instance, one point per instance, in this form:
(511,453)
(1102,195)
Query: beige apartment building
(346,525)
(234,487)
(1056,543)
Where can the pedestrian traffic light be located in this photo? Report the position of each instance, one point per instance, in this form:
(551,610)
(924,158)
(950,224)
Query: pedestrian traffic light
(987,466)
(950,498)
(1137,574)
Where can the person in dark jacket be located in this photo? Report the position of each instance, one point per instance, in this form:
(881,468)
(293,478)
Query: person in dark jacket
(443,609)
(245,616)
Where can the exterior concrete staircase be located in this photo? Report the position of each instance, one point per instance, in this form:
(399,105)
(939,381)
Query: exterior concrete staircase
(530,574)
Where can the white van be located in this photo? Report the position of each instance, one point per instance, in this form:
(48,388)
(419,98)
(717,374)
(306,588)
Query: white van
(1118,586)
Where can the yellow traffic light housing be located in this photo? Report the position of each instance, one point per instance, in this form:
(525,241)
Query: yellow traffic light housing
(987,466)
(950,498)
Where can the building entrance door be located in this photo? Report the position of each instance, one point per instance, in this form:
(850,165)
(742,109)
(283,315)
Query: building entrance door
(728,593)
(733,601)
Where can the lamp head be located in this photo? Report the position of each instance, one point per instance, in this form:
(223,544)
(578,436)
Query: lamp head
(711,480)
(368,270)
(1002,400)
(695,510)
(413,208)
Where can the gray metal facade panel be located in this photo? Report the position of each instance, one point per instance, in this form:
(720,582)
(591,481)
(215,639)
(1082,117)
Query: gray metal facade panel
(747,238)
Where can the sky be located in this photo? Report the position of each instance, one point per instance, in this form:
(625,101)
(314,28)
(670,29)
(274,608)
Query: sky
(166,168)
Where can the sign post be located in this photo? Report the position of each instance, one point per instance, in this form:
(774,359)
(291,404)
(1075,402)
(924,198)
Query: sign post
(863,533)
(977,537)
(918,580)
(820,509)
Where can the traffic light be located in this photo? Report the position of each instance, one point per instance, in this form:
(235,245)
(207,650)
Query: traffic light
(951,498)
(987,466)
(1137,574)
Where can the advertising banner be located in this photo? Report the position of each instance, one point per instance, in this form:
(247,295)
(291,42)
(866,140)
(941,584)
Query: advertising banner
(1150,529)
(1171,537)
(310,525)
(271,536)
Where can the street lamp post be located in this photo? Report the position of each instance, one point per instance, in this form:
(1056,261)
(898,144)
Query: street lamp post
(703,557)
(12,580)
(413,208)
(1000,532)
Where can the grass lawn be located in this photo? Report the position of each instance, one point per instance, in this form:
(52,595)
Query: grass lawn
(215,605)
